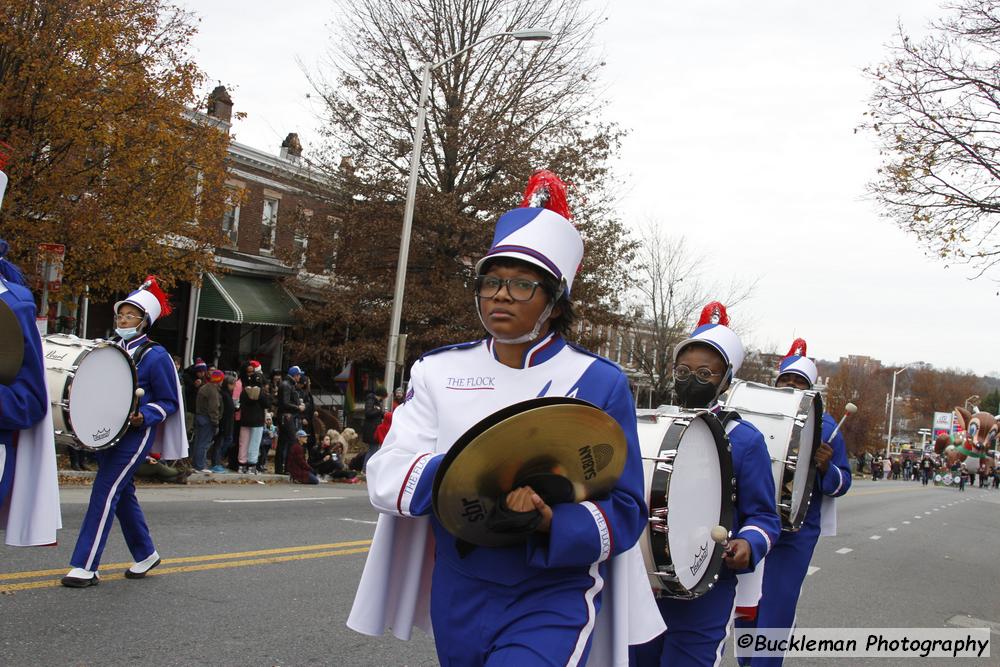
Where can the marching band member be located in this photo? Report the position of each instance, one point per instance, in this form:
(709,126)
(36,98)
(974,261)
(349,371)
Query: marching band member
(786,565)
(29,486)
(704,366)
(158,421)
(533,603)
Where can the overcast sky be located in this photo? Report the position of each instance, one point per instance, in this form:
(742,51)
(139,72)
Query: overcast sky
(741,119)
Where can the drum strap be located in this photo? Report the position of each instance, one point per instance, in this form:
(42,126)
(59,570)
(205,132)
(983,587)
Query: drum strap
(726,416)
(142,350)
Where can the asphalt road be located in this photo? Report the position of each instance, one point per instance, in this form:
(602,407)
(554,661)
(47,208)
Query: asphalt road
(265,575)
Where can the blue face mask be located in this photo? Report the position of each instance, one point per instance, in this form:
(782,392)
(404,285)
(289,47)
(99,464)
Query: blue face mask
(127,334)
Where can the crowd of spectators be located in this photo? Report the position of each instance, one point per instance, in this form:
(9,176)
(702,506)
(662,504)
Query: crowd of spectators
(241,421)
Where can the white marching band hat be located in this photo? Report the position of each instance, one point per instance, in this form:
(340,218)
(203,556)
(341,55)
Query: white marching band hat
(797,362)
(713,330)
(150,299)
(540,232)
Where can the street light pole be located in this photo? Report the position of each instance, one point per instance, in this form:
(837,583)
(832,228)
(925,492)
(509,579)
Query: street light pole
(528,35)
(892,405)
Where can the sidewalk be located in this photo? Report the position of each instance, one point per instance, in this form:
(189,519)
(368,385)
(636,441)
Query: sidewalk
(82,478)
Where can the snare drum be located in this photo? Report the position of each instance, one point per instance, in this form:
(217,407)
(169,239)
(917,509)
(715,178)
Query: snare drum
(792,423)
(91,385)
(688,472)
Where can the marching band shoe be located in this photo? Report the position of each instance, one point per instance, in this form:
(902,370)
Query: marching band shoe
(80,578)
(139,570)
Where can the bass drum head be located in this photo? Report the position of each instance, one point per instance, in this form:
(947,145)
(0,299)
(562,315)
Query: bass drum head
(805,475)
(101,397)
(694,504)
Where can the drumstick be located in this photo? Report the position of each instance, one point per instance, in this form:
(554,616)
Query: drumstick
(849,409)
(139,393)
(721,536)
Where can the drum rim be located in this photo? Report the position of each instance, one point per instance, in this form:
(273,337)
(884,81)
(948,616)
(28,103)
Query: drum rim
(791,523)
(657,541)
(88,346)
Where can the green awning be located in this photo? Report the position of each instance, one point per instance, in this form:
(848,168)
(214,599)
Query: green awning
(245,300)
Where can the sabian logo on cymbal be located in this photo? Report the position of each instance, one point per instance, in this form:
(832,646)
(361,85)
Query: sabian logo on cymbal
(699,558)
(101,435)
(596,458)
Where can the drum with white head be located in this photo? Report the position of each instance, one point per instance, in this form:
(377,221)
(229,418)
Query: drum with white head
(688,471)
(92,386)
(792,423)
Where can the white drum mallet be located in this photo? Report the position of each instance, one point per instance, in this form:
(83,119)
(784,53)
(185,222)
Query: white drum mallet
(849,409)
(721,536)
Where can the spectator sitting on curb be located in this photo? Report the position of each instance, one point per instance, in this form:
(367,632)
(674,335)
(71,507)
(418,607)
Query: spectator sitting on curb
(326,460)
(298,468)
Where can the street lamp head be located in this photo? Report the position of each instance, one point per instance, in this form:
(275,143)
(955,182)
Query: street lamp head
(532,35)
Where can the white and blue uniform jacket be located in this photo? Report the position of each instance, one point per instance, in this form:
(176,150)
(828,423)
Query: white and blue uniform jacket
(454,388)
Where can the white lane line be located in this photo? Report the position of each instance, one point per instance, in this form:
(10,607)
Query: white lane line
(875,537)
(917,516)
(844,550)
(811,570)
(344,518)
(277,500)
(892,530)
(907,523)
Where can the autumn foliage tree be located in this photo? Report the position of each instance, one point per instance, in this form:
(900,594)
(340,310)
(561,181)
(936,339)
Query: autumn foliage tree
(495,115)
(94,99)
(935,110)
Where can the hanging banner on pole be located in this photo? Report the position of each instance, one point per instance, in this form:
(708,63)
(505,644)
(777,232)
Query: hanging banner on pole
(943,423)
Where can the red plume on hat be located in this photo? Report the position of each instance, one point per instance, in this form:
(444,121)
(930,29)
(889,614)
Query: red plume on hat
(151,286)
(798,348)
(714,313)
(5,153)
(546,190)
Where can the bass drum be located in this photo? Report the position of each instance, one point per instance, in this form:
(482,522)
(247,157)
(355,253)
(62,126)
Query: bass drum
(91,386)
(792,423)
(688,472)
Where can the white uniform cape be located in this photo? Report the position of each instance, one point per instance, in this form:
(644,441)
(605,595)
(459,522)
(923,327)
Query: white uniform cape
(32,515)
(395,592)
(171,434)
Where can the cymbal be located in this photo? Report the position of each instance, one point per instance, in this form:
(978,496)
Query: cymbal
(551,435)
(12,344)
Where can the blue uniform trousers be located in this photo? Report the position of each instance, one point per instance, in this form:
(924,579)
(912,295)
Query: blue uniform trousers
(114,493)
(547,619)
(784,571)
(696,630)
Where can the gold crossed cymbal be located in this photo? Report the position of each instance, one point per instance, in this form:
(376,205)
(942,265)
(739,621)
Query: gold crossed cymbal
(551,435)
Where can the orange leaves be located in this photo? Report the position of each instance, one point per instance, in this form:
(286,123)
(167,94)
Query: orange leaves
(93,97)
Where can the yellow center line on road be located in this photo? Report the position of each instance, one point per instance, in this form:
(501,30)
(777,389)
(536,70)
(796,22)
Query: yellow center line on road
(193,559)
(160,571)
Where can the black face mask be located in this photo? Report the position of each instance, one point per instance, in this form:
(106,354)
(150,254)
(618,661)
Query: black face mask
(693,394)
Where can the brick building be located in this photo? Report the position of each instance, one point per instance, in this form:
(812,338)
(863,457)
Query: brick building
(281,221)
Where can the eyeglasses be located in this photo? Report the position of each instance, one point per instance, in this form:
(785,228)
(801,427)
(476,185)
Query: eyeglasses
(128,317)
(703,375)
(519,289)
